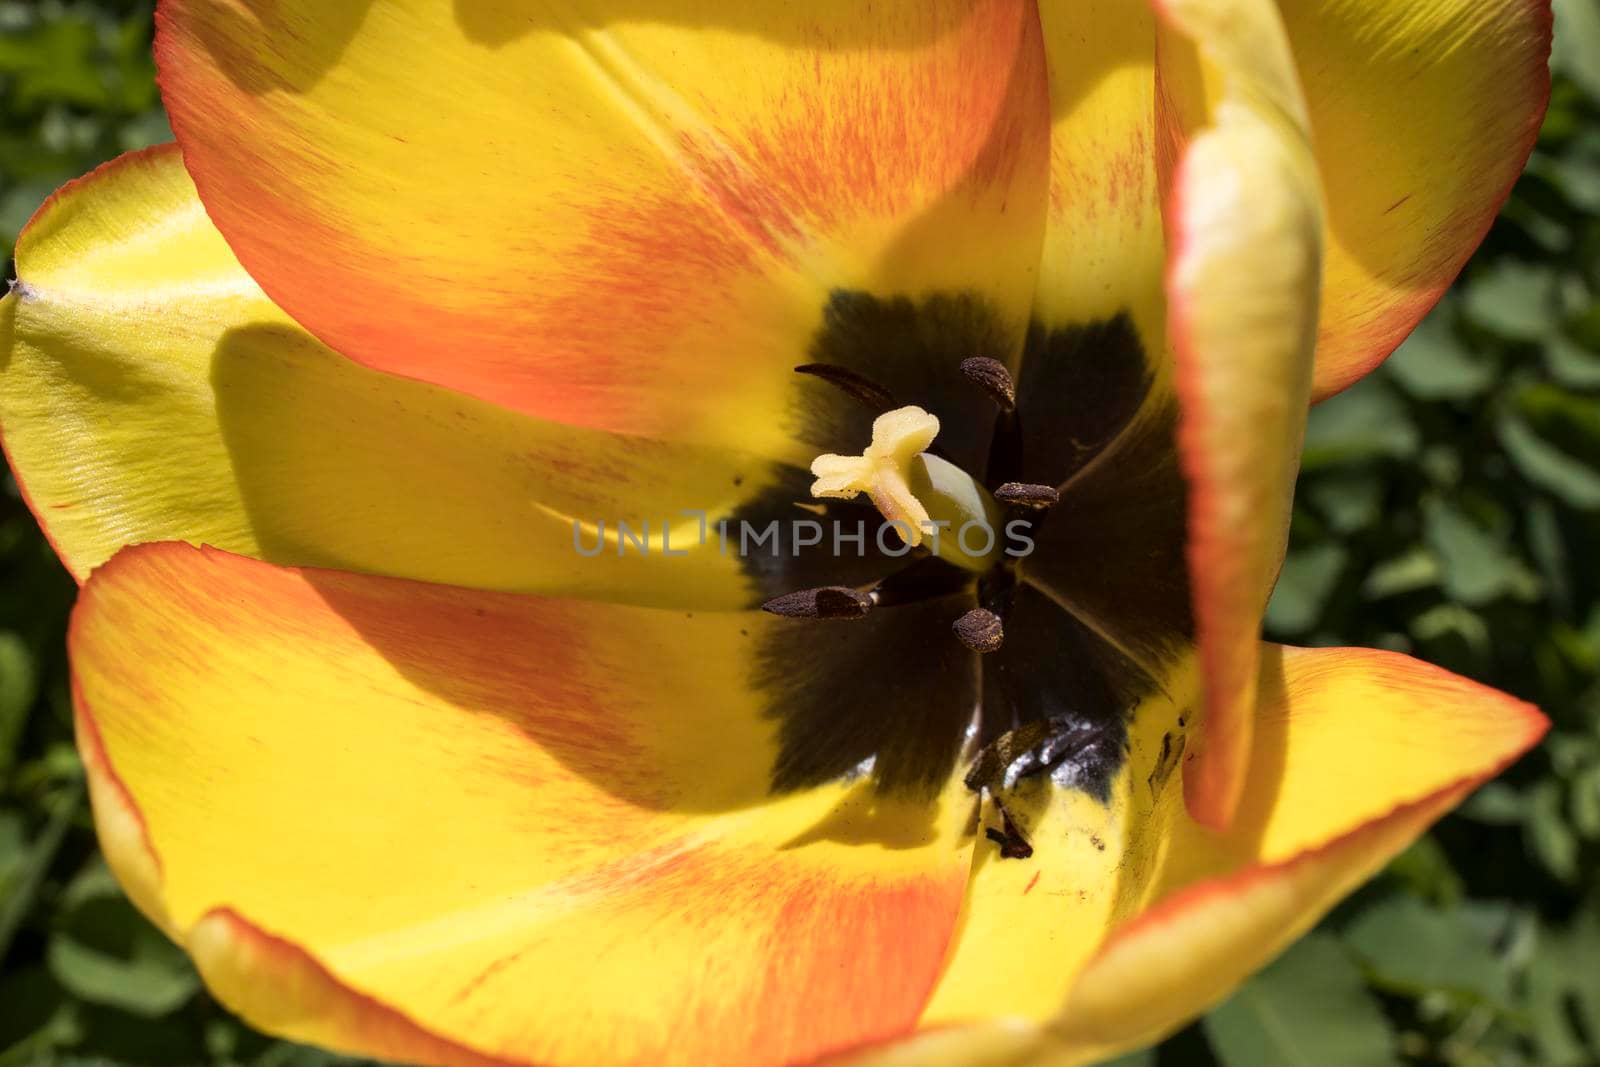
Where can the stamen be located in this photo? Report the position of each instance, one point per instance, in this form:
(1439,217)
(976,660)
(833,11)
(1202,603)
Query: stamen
(980,630)
(991,375)
(866,392)
(1013,846)
(826,602)
(1025,495)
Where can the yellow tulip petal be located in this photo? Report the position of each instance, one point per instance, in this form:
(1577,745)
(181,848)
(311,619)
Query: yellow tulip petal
(1246,223)
(1424,113)
(637,221)
(1131,918)
(149,391)
(439,825)
(1104,247)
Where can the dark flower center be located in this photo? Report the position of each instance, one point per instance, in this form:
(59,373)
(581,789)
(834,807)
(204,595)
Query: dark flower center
(1039,662)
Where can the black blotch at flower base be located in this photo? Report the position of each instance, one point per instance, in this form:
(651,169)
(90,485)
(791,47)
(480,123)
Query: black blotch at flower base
(1091,616)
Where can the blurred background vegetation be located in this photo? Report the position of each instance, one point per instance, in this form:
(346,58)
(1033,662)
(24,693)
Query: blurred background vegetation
(1449,507)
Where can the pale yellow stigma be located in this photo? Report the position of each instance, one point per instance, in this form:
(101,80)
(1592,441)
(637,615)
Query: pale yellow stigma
(883,470)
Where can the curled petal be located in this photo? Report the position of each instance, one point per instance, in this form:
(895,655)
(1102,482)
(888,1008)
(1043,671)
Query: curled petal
(1243,283)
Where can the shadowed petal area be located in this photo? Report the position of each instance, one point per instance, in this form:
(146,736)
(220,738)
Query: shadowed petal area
(894,686)
(648,247)
(1112,551)
(1243,278)
(149,391)
(401,819)
(1130,918)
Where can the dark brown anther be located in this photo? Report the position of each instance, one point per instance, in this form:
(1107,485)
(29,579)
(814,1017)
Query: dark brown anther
(828,602)
(866,392)
(1013,846)
(980,630)
(1028,496)
(993,377)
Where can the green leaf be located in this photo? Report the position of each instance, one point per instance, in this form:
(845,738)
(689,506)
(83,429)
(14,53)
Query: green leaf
(55,61)
(1309,1009)
(143,131)
(1550,468)
(1577,43)
(13,850)
(1308,577)
(1549,837)
(1497,804)
(1584,327)
(1433,364)
(1425,871)
(1413,948)
(1569,420)
(23,886)
(1550,551)
(1416,569)
(1348,500)
(1367,421)
(1584,803)
(1515,300)
(107,953)
(1563,994)
(1571,364)
(19,685)
(1452,622)
(37,1017)
(1476,565)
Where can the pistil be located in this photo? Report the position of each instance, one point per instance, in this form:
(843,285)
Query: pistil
(924,497)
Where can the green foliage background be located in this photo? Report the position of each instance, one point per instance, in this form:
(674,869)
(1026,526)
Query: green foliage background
(1449,507)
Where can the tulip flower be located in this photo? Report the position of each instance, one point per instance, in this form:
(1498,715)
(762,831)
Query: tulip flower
(398,420)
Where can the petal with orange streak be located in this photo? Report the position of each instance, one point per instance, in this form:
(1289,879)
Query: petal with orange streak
(634,219)
(404,819)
